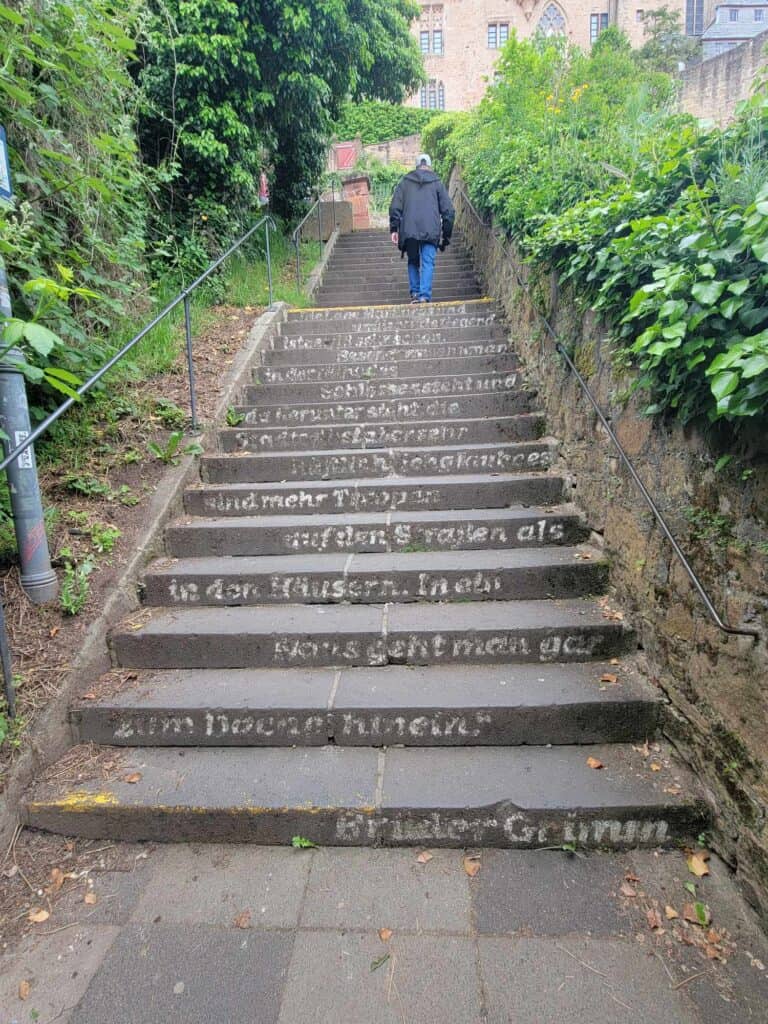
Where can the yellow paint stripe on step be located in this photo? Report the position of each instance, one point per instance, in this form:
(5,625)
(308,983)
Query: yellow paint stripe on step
(433,305)
(77,801)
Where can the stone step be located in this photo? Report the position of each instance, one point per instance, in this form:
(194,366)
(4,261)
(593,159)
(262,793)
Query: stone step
(338,371)
(523,427)
(483,325)
(358,464)
(389,495)
(395,295)
(513,574)
(346,272)
(327,350)
(444,705)
(396,410)
(376,532)
(365,258)
(486,383)
(372,314)
(490,632)
(524,797)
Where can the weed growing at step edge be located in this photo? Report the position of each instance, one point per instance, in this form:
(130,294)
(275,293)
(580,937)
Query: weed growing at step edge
(171,452)
(75,585)
(234,418)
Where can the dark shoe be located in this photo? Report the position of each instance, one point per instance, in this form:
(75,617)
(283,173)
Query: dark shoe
(415,300)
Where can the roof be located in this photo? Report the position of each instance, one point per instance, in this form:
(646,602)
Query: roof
(739,31)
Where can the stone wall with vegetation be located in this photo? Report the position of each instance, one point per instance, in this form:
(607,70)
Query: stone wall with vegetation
(717,687)
(714,88)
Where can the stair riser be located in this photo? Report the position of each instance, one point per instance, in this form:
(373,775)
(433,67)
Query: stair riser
(337,372)
(236,590)
(390,320)
(190,541)
(525,427)
(286,649)
(392,273)
(454,407)
(394,296)
(333,354)
(399,497)
(370,390)
(504,826)
(353,465)
(631,720)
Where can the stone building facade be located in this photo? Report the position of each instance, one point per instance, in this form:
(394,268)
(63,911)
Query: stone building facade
(461,39)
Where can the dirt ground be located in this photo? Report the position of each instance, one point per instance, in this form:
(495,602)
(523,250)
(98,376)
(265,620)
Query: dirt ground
(120,473)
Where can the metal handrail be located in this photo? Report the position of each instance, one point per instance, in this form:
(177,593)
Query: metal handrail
(296,236)
(183,297)
(658,515)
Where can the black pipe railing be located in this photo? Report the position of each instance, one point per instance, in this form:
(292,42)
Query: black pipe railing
(182,298)
(657,513)
(297,231)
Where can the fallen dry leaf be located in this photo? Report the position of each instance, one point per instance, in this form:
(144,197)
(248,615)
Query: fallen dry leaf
(697,863)
(673,790)
(592,762)
(133,777)
(653,917)
(57,880)
(471,864)
(614,661)
(25,988)
(243,919)
(609,677)
(670,913)
(645,750)
(385,934)
(91,899)
(655,766)
(89,696)
(54,631)
(712,953)
(37,915)
(425,857)
(628,890)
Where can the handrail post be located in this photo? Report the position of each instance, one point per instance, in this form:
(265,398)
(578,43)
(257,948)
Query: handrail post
(190,364)
(320,221)
(297,244)
(269,260)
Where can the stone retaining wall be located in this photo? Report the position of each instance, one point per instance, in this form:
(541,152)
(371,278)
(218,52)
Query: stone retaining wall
(715,87)
(717,686)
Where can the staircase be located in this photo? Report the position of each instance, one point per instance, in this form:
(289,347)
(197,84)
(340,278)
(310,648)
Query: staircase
(379,621)
(367,269)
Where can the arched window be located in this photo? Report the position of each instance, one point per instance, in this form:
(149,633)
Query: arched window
(432,89)
(552,21)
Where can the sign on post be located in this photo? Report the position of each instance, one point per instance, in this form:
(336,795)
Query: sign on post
(6,189)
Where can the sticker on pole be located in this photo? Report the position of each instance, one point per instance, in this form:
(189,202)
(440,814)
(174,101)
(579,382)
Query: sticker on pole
(25,459)
(6,189)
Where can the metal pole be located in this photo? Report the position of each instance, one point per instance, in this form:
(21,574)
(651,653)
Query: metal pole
(269,261)
(320,221)
(190,364)
(37,577)
(297,243)
(333,200)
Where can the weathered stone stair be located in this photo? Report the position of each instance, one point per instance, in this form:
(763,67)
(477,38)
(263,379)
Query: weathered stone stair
(379,619)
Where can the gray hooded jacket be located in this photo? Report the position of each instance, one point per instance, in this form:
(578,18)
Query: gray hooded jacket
(421,210)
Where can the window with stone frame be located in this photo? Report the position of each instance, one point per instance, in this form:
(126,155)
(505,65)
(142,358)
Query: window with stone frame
(597,22)
(440,96)
(498,34)
(733,14)
(759,14)
(437,42)
(551,22)
(424,41)
(694,17)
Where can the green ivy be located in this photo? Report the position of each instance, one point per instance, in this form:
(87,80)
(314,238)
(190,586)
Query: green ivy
(376,122)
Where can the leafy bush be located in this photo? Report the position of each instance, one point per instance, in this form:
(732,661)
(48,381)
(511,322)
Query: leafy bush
(380,122)
(660,225)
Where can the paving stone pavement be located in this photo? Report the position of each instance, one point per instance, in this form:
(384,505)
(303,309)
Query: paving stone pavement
(213,934)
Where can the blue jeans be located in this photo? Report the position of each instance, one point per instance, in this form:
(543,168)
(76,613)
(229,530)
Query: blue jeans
(420,274)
